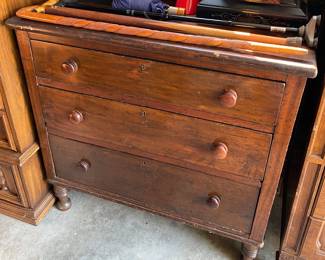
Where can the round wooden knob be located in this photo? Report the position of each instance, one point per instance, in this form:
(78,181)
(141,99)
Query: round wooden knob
(214,201)
(228,98)
(76,117)
(220,150)
(70,66)
(85,165)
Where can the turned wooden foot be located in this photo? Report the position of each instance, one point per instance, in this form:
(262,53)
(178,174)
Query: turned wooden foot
(63,203)
(249,252)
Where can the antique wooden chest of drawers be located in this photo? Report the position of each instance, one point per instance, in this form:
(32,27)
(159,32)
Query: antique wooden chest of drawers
(193,133)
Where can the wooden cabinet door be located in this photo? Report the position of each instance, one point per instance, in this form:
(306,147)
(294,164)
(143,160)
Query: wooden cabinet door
(11,187)
(314,244)
(6,138)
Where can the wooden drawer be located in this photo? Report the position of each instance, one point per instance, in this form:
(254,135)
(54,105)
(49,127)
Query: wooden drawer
(244,101)
(11,188)
(163,188)
(185,141)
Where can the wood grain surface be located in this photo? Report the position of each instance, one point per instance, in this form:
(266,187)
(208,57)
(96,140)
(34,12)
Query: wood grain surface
(92,114)
(275,66)
(304,236)
(175,88)
(13,85)
(156,185)
(156,134)
(24,192)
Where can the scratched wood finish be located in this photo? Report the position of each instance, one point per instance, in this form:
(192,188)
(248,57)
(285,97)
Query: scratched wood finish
(157,186)
(174,88)
(156,134)
(24,192)
(191,131)
(274,67)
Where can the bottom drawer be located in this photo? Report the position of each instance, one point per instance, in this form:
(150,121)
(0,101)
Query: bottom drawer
(181,193)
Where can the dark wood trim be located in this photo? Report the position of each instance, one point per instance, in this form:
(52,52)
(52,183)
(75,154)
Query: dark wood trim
(118,199)
(290,105)
(26,53)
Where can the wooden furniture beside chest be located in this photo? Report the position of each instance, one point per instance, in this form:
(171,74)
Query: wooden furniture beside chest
(305,235)
(196,134)
(24,191)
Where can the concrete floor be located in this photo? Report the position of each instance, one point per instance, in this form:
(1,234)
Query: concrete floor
(98,229)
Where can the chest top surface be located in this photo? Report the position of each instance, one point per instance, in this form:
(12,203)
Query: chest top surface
(273,65)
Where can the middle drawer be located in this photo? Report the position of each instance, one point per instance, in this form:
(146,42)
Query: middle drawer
(189,142)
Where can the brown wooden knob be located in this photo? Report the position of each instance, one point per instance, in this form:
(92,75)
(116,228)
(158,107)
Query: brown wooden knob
(220,149)
(214,201)
(85,165)
(76,117)
(228,98)
(70,66)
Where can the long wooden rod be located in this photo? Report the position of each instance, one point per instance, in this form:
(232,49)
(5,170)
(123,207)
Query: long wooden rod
(250,46)
(172,26)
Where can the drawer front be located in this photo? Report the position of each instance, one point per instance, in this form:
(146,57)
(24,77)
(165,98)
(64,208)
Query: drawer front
(11,185)
(189,142)
(249,102)
(171,190)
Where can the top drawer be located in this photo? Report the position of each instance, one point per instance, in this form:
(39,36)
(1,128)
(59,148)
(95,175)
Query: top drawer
(244,101)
